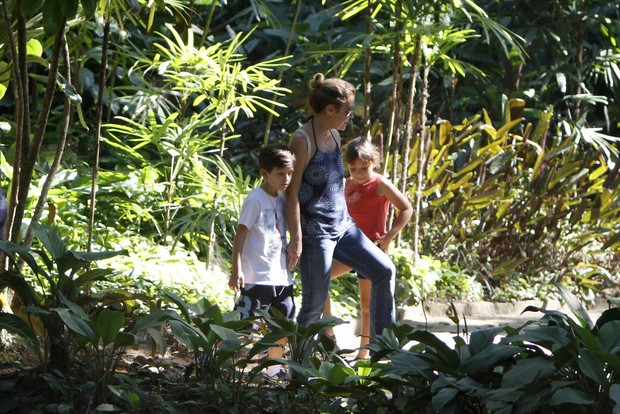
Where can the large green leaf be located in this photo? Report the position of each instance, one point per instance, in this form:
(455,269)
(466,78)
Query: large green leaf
(30,7)
(50,239)
(89,8)
(534,369)
(69,8)
(570,396)
(125,339)
(444,396)
(609,337)
(34,48)
(76,324)
(609,315)
(108,324)
(191,337)
(550,337)
(155,320)
(224,333)
(158,338)
(574,305)
(17,326)
(92,275)
(593,367)
(489,357)
(180,303)
(53,18)
(11,249)
(614,395)
(74,261)
(480,340)
(18,284)
(448,356)
(410,363)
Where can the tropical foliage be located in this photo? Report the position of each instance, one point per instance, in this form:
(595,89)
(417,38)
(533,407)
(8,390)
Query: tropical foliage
(569,363)
(131,128)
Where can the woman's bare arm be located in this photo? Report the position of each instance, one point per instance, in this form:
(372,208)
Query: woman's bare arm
(299,148)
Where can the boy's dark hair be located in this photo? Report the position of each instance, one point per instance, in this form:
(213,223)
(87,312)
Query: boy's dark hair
(363,149)
(275,156)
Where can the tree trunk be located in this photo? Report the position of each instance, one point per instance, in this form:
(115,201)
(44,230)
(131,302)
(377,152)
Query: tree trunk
(365,132)
(281,71)
(98,121)
(60,148)
(395,97)
(409,120)
(26,168)
(421,167)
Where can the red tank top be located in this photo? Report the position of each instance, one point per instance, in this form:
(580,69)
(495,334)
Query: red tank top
(367,207)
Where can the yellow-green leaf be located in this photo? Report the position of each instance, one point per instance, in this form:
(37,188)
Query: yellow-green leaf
(470,167)
(445,197)
(430,190)
(34,48)
(504,205)
(507,127)
(597,173)
(486,198)
(509,266)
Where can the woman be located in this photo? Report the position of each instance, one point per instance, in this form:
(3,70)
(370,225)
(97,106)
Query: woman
(319,223)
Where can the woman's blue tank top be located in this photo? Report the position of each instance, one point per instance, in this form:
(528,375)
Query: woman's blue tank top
(322,204)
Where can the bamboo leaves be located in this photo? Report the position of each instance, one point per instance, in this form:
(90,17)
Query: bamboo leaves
(509,192)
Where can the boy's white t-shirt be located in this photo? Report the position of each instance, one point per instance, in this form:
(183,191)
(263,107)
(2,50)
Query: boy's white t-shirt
(263,261)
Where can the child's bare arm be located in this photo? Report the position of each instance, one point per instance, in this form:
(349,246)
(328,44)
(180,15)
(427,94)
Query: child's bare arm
(236,281)
(401,203)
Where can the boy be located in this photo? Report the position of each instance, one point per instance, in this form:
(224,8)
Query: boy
(258,259)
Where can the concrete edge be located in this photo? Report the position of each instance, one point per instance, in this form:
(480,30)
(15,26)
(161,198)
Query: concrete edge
(491,309)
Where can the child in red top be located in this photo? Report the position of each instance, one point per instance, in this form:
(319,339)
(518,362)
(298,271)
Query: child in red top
(369,195)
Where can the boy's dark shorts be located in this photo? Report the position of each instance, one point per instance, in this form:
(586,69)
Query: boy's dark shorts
(266,297)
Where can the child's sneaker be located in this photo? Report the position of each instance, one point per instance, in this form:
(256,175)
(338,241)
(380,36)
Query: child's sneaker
(276,373)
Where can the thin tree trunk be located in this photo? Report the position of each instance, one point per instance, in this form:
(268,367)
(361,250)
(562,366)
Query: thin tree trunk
(28,163)
(395,133)
(409,120)
(421,167)
(216,199)
(207,27)
(98,122)
(20,111)
(395,97)
(281,71)
(367,83)
(60,148)
(576,112)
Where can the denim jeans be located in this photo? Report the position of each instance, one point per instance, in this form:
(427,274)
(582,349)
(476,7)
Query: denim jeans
(355,250)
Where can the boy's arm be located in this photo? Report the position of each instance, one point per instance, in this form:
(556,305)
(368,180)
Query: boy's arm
(401,203)
(236,281)
(293,250)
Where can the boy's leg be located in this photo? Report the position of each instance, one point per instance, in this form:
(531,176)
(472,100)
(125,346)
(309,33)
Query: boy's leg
(365,287)
(282,301)
(277,371)
(250,298)
(357,251)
